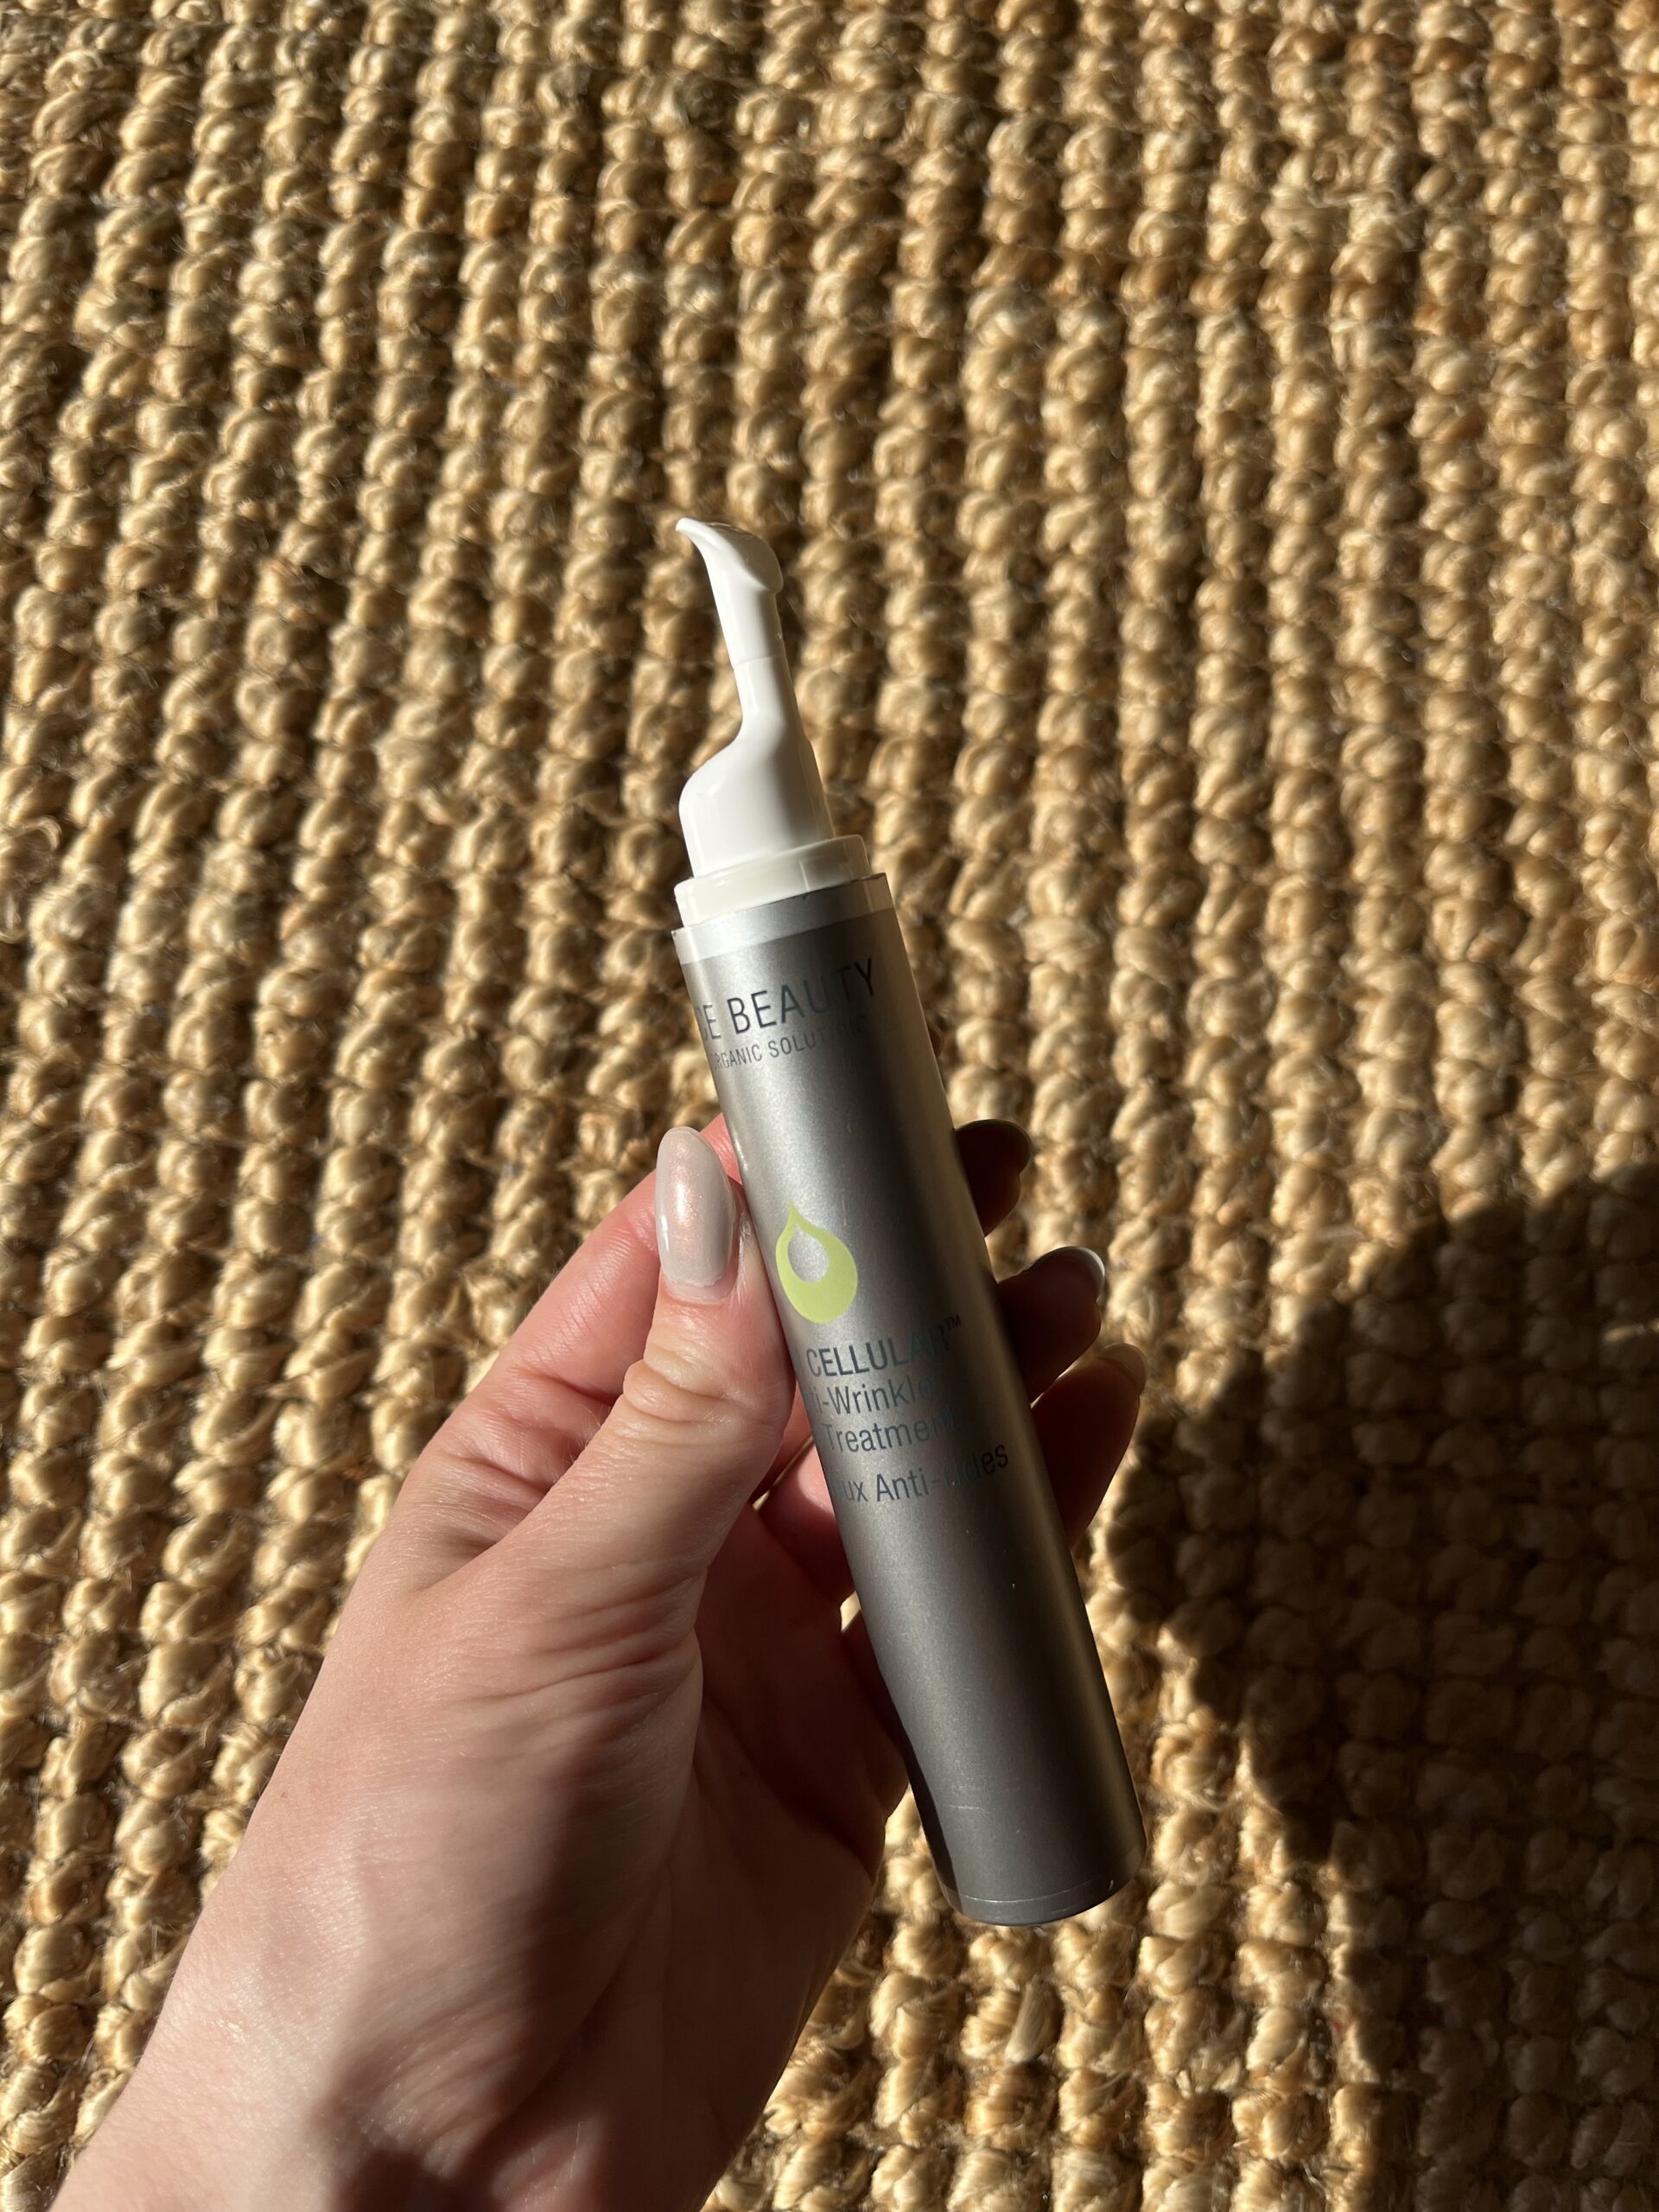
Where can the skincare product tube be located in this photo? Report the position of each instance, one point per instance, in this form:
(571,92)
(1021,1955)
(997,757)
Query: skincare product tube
(824,1067)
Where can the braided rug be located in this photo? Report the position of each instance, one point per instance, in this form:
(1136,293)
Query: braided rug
(1214,448)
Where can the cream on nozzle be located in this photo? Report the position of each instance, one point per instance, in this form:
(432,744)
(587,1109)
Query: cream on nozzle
(755,817)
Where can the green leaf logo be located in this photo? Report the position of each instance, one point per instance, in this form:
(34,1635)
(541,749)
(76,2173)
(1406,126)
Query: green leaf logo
(832,1290)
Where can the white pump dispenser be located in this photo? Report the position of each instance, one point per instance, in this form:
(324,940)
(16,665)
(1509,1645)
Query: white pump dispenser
(756,823)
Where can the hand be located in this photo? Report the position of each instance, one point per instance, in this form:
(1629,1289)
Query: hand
(589,1797)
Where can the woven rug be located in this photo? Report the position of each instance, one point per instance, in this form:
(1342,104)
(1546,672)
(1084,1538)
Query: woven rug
(1214,448)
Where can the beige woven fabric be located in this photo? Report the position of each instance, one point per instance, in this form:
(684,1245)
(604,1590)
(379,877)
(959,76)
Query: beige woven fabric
(1215,448)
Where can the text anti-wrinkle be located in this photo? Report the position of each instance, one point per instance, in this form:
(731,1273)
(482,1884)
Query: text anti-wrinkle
(824,1071)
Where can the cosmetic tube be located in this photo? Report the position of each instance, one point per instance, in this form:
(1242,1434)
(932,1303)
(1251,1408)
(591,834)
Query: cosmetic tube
(822,1065)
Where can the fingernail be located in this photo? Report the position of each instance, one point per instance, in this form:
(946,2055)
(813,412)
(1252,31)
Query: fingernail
(1131,1359)
(1091,1264)
(696,1221)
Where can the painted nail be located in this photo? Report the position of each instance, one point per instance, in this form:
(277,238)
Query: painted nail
(696,1221)
(1091,1264)
(1131,1359)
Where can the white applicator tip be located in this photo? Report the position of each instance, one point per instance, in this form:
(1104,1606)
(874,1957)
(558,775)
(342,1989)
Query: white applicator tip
(754,555)
(746,578)
(760,801)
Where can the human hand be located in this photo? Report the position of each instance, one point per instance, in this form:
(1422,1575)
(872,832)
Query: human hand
(589,1797)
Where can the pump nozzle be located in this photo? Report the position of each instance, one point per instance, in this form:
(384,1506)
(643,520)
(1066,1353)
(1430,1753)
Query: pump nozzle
(758,805)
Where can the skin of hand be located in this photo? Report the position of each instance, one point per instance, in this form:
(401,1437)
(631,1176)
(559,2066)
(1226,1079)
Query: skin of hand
(588,1798)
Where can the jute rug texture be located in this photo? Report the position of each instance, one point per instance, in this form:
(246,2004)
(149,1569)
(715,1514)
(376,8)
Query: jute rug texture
(1214,448)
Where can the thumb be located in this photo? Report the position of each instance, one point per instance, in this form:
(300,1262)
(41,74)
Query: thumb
(651,1499)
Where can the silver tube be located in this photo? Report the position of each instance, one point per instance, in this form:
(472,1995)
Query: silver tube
(822,1065)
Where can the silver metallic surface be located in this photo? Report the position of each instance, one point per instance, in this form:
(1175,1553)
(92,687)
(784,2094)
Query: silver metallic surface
(824,1069)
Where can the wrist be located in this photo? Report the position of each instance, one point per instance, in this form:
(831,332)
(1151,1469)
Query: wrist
(191,2141)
